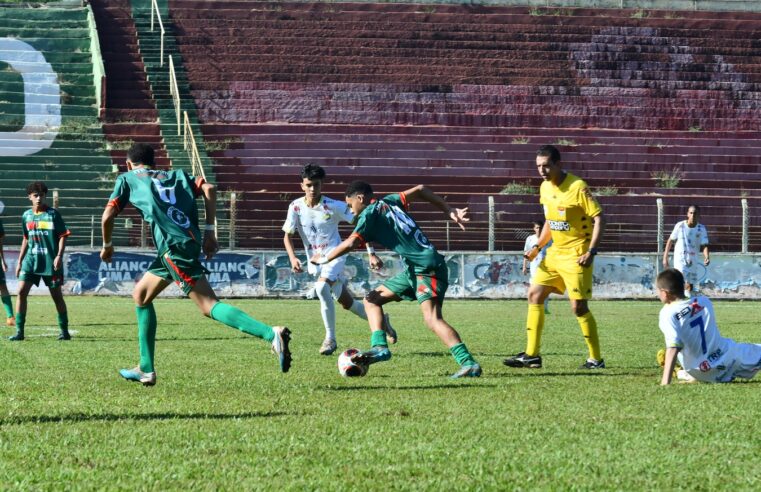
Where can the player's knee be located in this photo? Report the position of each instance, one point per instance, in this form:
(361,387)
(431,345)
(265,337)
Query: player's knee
(580,309)
(140,298)
(373,298)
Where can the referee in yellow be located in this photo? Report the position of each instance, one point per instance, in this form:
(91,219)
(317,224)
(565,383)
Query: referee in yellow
(575,223)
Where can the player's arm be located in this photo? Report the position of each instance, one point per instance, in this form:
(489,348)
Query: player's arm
(544,238)
(210,243)
(295,262)
(706,254)
(375,262)
(420,192)
(107,230)
(668,365)
(666,251)
(21,254)
(3,264)
(58,260)
(597,230)
(346,246)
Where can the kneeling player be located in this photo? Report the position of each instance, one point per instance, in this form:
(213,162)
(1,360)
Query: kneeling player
(692,336)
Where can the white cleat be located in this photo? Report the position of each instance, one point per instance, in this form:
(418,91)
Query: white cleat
(328,346)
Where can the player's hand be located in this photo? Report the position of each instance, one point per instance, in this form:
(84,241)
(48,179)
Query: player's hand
(210,244)
(707,261)
(531,254)
(665,263)
(524,269)
(57,262)
(296,265)
(106,254)
(586,259)
(375,262)
(460,216)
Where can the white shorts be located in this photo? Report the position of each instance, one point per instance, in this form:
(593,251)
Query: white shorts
(689,272)
(743,360)
(332,271)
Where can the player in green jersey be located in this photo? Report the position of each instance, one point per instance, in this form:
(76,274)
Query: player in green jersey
(167,201)
(385,221)
(5,296)
(41,257)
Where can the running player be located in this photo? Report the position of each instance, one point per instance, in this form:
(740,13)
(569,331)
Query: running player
(41,257)
(5,296)
(688,237)
(385,220)
(316,217)
(166,200)
(692,336)
(575,225)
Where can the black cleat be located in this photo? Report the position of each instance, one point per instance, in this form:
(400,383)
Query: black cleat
(593,364)
(524,361)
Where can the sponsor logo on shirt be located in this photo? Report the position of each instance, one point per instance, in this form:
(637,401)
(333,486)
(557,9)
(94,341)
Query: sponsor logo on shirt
(558,225)
(714,356)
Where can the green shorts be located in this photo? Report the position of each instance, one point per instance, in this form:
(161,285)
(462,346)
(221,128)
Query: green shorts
(51,281)
(181,265)
(410,285)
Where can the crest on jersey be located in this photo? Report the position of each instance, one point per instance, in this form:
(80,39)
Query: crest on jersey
(178,217)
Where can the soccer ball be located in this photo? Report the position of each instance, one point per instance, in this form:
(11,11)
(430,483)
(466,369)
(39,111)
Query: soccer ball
(347,368)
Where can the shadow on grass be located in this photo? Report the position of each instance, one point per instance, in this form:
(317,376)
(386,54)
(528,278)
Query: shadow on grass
(113,417)
(522,373)
(159,340)
(407,388)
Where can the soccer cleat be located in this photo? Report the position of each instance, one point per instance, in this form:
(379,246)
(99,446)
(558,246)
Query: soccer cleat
(17,337)
(10,321)
(138,376)
(593,364)
(684,376)
(522,360)
(390,331)
(379,353)
(328,346)
(64,336)
(280,347)
(471,371)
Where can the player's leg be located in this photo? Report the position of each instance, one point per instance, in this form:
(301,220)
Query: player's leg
(5,296)
(62,312)
(434,320)
(146,290)
(279,336)
(588,325)
(348,302)
(748,359)
(24,287)
(374,302)
(324,291)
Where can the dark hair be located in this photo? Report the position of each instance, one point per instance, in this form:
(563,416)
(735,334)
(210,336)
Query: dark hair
(312,171)
(140,153)
(36,187)
(672,281)
(549,151)
(539,222)
(358,188)
(697,209)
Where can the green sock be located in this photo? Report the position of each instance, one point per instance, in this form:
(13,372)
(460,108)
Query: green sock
(63,322)
(8,305)
(146,335)
(378,338)
(234,317)
(461,355)
(20,322)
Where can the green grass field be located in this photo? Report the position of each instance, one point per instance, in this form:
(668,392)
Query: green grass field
(222,417)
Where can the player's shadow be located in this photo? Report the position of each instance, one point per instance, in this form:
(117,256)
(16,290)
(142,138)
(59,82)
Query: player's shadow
(408,388)
(160,340)
(523,373)
(115,417)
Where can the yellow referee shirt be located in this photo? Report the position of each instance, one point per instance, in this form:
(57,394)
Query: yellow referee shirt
(569,209)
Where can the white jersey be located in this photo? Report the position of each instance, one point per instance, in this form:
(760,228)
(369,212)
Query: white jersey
(531,241)
(687,242)
(318,225)
(690,325)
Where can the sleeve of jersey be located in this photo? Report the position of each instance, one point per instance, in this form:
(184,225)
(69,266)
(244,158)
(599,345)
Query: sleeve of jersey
(289,226)
(24,230)
(588,202)
(363,231)
(704,237)
(668,327)
(344,212)
(120,196)
(675,233)
(60,227)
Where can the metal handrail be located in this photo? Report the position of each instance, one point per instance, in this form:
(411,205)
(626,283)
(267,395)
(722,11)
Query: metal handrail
(189,144)
(155,6)
(174,91)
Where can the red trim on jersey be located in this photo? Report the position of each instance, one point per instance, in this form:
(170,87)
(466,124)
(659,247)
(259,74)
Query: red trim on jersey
(64,234)
(179,272)
(114,203)
(405,203)
(199,182)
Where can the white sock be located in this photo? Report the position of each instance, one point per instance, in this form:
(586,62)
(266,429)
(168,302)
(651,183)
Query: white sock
(358,308)
(327,308)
